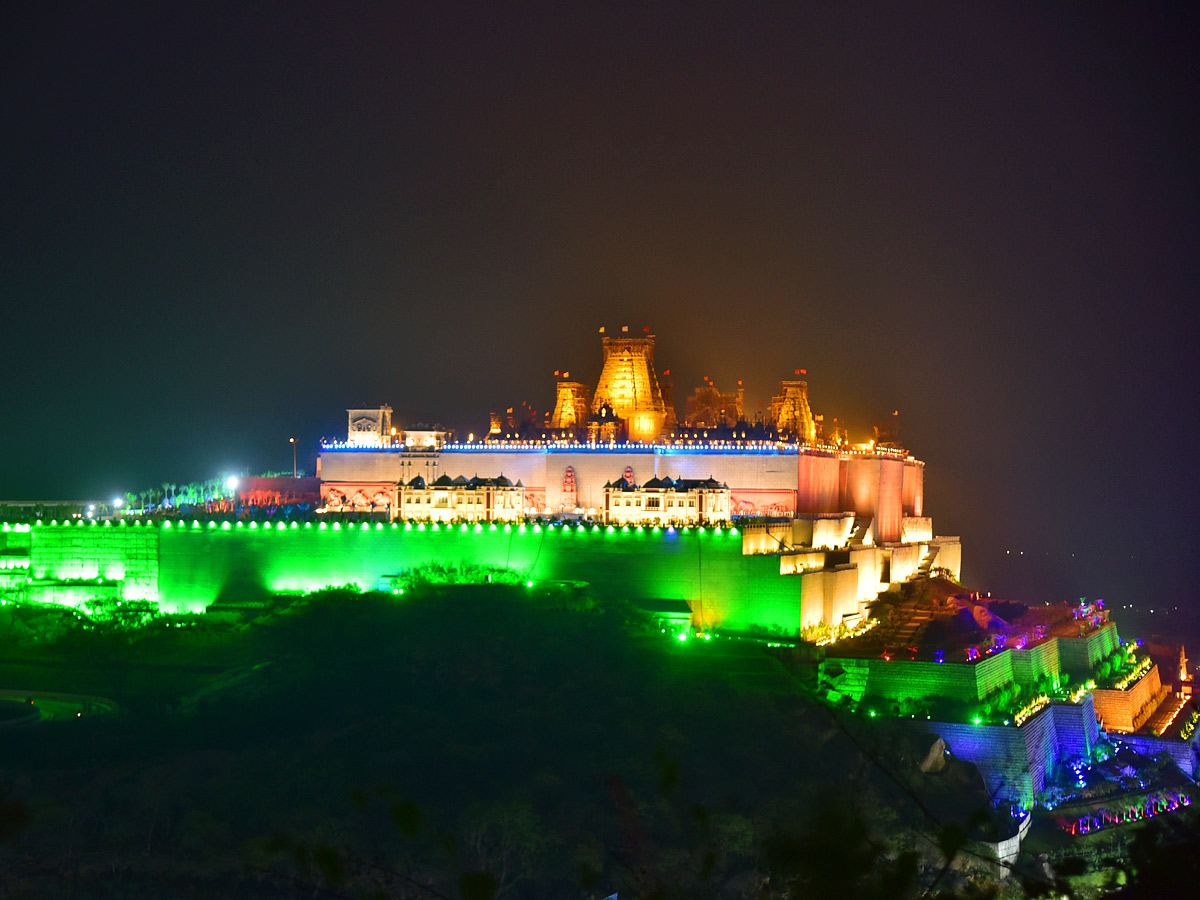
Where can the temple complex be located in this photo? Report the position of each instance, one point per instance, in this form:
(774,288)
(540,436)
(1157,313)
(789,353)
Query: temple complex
(837,522)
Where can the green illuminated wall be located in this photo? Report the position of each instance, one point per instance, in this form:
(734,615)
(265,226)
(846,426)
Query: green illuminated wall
(899,679)
(189,565)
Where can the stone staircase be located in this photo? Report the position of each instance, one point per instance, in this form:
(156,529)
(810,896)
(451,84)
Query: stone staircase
(858,534)
(926,565)
(910,632)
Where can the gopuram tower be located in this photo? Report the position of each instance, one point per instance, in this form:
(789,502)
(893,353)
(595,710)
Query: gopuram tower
(630,387)
(791,413)
(571,405)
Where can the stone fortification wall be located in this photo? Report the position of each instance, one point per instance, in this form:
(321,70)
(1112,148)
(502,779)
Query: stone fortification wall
(900,678)
(913,489)
(91,552)
(916,528)
(1038,662)
(818,483)
(831,531)
(993,673)
(905,560)
(1080,655)
(949,555)
(869,561)
(905,679)
(1128,710)
(1184,753)
(769,538)
(14,538)
(1015,762)
(185,567)
(838,590)
(1001,754)
(1076,726)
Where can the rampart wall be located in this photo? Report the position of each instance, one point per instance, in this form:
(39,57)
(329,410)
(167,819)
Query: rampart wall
(1017,761)
(185,567)
(1084,654)
(970,681)
(1129,709)
(1032,665)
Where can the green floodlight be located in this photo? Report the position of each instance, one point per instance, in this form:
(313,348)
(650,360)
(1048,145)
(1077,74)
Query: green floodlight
(977,720)
(681,637)
(529,584)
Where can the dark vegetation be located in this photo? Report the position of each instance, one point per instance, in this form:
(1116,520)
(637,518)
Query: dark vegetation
(462,741)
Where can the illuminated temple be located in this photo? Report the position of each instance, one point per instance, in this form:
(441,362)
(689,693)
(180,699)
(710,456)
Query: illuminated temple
(821,525)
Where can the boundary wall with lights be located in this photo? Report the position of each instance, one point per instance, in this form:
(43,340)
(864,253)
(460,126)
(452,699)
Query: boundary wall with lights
(900,678)
(1185,753)
(1015,761)
(1130,709)
(787,478)
(186,566)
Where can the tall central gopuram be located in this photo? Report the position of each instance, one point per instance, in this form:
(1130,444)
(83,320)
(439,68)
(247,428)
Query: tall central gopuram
(629,386)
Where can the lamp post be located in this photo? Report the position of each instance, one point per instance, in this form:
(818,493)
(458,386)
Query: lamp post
(292,441)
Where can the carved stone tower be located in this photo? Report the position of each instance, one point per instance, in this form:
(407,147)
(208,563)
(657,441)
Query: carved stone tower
(628,384)
(572,406)
(790,411)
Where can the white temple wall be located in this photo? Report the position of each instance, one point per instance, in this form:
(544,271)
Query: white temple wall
(916,528)
(832,532)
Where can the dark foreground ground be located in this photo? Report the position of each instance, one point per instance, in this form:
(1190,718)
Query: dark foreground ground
(463,742)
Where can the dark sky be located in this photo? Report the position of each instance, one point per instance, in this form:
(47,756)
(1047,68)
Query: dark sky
(222,227)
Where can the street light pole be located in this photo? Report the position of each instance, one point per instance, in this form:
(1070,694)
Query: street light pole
(292,441)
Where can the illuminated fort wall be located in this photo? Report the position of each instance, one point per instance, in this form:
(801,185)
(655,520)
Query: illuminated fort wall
(901,679)
(185,567)
(1016,762)
(1129,709)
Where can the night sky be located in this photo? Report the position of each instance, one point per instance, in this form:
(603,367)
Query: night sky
(221,228)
